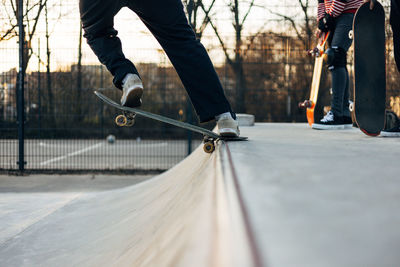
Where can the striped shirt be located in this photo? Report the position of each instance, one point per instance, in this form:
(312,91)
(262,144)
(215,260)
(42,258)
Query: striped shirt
(336,7)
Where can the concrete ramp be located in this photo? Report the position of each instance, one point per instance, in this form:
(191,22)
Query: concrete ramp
(188,216)
(290,196)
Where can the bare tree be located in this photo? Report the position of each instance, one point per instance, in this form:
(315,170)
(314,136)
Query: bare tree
(9,30)
(303,22)
(235,60)
(304,28)
(198,21)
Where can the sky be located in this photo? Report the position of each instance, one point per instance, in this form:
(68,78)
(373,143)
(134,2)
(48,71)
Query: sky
(138,44)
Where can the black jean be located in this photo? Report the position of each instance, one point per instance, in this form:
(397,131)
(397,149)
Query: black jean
(340,77)
(167,22)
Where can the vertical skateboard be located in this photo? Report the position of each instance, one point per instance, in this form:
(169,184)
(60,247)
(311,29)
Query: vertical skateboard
(209,137)
(369,68)
(310,104)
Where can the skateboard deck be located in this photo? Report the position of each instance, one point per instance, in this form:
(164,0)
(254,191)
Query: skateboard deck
(310,104)
(369,69)
(210,137)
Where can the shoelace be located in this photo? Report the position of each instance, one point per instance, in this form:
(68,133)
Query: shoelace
(328,117)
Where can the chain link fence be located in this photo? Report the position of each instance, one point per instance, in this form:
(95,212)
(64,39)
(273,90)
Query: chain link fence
(67,128)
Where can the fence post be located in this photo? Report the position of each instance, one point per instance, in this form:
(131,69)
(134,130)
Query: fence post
(102,103)
(189,117)
(20,87)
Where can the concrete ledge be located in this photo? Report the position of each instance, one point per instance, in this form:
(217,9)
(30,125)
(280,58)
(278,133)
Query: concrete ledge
(320,198)
(245,119)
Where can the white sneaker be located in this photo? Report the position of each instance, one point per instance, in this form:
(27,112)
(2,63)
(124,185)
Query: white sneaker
(394,132)
(132,88)
(329,122)
(228,127)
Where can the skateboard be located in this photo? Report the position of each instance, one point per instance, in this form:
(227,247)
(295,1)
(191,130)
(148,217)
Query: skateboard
(318,53)
(369,69)
(127,119)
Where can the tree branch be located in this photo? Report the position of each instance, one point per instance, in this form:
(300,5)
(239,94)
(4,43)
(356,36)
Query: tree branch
(291,21)
(248,12)
(224,49)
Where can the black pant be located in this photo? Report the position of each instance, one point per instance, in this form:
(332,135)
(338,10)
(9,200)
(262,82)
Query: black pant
(395,22)
(167,22)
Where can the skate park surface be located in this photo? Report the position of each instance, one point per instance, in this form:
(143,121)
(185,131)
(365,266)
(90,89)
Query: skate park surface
(290,196)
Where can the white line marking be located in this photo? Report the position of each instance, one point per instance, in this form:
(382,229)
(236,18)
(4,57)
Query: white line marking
(71,154)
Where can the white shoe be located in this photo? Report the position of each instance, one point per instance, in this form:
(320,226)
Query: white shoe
(329,122)
(132,88)
(228,127)
(394,132)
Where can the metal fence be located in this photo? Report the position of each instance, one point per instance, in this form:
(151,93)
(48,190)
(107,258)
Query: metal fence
(68,128)
(78,132)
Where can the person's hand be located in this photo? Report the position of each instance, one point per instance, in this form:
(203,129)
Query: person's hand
(326,24)
(371,3)
(318,33)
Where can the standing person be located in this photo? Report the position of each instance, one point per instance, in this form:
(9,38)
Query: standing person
(395,23)
(336,17)
(167,22)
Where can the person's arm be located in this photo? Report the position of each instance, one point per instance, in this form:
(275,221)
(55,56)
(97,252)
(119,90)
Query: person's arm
(320,16)
(336,8)
(325,20)
(321,9)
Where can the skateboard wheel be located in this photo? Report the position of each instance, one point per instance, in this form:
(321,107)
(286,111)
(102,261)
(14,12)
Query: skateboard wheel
(308,104)
(121,120)
(209,147)
(130,122)
(351,34)
(351,107)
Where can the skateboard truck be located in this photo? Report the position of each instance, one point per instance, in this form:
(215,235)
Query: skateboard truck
(209,141)
(316,52)
(351,35)
(351,106)
(209,144)
(125,119)
(306,104)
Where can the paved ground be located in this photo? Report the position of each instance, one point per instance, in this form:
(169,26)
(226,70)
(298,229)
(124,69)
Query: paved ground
(290,196)
(27,200)
(67,183)
(321,198)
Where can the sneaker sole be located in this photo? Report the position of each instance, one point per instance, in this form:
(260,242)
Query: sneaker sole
(327,127)
(390,134)
(348,126)
(228,133)
(133,99)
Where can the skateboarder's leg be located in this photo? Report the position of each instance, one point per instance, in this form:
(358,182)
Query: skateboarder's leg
(340,77)
(346,111)
(97,18)
(167,21)
(396,44)
(395,22)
